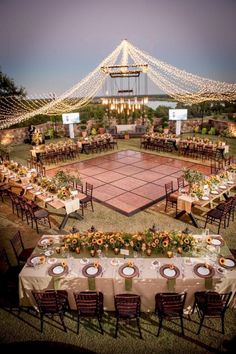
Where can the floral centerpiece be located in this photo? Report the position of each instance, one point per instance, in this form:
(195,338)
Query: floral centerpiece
(64,193)
(192,177)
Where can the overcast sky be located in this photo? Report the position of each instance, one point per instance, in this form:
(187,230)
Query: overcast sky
(49,45)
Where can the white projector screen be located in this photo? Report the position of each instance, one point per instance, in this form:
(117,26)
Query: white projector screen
(70,118)
(178,114)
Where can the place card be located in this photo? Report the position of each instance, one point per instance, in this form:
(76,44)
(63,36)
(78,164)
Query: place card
(124,252)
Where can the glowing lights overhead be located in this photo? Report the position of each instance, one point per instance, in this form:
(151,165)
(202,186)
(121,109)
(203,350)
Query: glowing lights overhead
(179,84)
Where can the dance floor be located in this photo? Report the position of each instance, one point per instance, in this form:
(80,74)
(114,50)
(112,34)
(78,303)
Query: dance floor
(129,181)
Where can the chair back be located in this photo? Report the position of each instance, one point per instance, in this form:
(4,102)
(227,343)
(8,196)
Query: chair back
(17,244)
(170,304)
(213,303)
(127,305)
(51,301)
(169,188)
(4,261)
(79,187)
(89,303)
(180,182)
(89,190)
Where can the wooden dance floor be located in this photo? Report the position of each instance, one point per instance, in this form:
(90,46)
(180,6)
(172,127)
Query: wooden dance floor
(129,181)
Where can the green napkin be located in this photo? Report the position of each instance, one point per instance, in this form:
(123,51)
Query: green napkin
(128,284)
(91,283)
(208,283)
(171,284)
(56,283)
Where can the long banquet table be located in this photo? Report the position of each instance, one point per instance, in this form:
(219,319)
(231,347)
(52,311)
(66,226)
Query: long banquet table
(147,283)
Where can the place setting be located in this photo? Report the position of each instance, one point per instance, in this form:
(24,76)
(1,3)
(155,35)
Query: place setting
(170,272)
(205,271)
(36,260)
(128,271)
(58,269)
(91,271)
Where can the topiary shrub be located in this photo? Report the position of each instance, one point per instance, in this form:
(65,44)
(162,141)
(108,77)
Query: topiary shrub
(212,131)
(204,131)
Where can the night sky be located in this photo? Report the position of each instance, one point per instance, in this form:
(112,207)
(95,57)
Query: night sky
(49,45)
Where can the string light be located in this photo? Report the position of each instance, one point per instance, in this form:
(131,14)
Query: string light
(179,84)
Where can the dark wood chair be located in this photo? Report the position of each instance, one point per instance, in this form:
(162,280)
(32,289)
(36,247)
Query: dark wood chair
(89,304)
(219,215)
(79,187)
(37,215)
(169,306)
(127,307)
(88,199)
(4,191)
(180,182)
(51,302)
(212,305)
(170,197)
(21,253)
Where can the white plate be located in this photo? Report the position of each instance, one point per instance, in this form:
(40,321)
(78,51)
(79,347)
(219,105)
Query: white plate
(92,270)
(222,187)
(58,269)
(128,271)
(51,260)
(38,193)
(205,198)
(229,263)
(230,182)
(216,242)
(214,192)
(169,272)
(203,271)
(84,261)
(48,253)
(29,187)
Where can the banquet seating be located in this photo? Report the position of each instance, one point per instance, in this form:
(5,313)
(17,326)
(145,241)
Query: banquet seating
(170,198)
(88,199)
(36,215)
(89,304)
(169,306)
(219,215)
(212,305)
(232,207)
(21,253)
(51,302)
(127,307)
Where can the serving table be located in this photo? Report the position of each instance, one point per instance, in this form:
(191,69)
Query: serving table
(112,274)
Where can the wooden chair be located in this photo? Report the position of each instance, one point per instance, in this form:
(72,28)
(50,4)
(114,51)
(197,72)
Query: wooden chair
(8,278)
(21,253)
(89,304)
(127,307)
(51,302)
(219,215)
(211,304)
(180,182)
(170,198)
(88,199)
(169,306)
(37,215)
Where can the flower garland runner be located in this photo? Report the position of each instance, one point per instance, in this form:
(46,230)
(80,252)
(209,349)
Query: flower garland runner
(163,242)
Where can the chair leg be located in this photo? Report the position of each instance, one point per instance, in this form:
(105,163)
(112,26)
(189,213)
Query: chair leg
(92,205)
(223,323)
(200,326)
(41,321)
(100,325)
(62,321)
(182,325)
(139,328)
(49,222)
(78,319)
(160,325)
(36,223)
(117,325)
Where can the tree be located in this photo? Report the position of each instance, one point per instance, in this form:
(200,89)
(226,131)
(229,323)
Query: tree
(9,88)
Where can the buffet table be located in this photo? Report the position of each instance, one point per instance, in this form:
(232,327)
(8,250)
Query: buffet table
(51,267)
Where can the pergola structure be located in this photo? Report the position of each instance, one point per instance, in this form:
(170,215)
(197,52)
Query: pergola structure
(178,84)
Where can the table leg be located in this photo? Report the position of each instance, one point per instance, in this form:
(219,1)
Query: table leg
(194,221)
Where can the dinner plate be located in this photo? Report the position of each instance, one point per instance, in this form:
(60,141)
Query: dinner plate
(91,271)
(58,270)
(126,271)
(38,193)
(44,241)
(204,198)
(202,271)
(222,187)
(48,199)
(217,241)
(229,263)
(169,271)
(52,260)
(230,182)
(29,187)
(34,259)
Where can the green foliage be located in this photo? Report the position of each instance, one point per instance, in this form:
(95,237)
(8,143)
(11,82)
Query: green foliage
(192,176)
(196,130)
(50,132)
(212,131)
(204,131)
(9,88)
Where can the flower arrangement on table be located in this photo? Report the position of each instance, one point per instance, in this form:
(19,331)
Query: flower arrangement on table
(64,193)
(158,242)
(213,180)
(197,190)
(22,171)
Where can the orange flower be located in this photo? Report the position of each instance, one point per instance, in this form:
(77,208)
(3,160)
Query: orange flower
(222,261)
(64,264)
(130,264)
(99,241)
(209,240)
(165,243)
(42,259)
